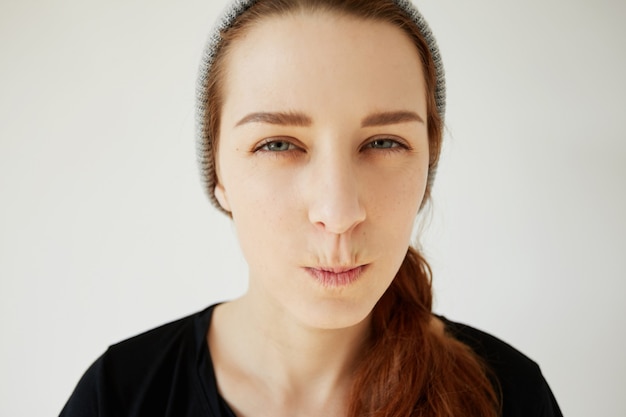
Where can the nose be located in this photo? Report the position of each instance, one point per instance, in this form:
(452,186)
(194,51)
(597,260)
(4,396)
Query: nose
(334,201)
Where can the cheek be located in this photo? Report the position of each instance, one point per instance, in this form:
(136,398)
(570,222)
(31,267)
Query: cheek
(396,197)
(258,192)
(264,208)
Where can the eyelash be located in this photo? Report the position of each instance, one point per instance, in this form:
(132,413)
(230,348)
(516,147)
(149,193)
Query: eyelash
(396,145)
(265,145)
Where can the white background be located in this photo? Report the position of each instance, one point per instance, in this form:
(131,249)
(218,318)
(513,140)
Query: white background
(105,231)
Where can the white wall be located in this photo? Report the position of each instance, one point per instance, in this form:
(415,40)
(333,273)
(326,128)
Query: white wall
(105,231)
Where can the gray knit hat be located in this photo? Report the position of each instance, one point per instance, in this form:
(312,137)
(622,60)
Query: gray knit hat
(228,17)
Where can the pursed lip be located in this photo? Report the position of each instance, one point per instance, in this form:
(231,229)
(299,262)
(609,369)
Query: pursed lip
(330,276)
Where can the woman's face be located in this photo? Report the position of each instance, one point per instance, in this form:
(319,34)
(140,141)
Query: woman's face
(322,160)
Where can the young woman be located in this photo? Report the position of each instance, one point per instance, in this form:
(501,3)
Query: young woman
(320,126)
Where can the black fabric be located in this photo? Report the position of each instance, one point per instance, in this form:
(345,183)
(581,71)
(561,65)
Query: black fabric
(168,372)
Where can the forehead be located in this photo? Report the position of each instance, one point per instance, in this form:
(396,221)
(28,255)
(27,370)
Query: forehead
(322,62)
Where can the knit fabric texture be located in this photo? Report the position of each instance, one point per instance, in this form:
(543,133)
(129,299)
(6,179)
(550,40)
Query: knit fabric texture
(228,17)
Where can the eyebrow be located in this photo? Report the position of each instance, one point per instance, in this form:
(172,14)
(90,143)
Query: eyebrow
(390,118)
(277,118)
(302,120)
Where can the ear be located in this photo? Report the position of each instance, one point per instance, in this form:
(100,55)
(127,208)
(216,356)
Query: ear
(220,195)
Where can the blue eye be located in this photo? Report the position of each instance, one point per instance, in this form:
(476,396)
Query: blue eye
(383,144)
(277,146)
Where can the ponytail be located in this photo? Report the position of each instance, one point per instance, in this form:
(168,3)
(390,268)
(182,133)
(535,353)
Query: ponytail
(412,369)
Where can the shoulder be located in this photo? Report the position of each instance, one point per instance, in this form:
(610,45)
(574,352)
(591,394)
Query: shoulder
(156,344)
(508,362)
(523,388)
(129,361)
(147,373)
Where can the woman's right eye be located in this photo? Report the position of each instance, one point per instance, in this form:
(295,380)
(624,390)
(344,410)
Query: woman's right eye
(277,145)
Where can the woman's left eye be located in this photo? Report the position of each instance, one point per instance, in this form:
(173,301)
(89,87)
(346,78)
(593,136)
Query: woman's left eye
(384,143)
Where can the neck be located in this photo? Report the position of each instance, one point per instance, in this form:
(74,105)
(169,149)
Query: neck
(297,364)
(296,353)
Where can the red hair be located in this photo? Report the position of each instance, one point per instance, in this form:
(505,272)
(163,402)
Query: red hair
(407,368)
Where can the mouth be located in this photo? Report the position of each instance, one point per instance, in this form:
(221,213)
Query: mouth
(336,276)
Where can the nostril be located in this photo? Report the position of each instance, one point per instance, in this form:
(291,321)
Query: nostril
(336,217)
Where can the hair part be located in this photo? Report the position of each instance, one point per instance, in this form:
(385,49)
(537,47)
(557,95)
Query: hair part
(407,368)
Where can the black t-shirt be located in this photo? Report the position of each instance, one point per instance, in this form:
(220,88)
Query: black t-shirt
(168,372)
